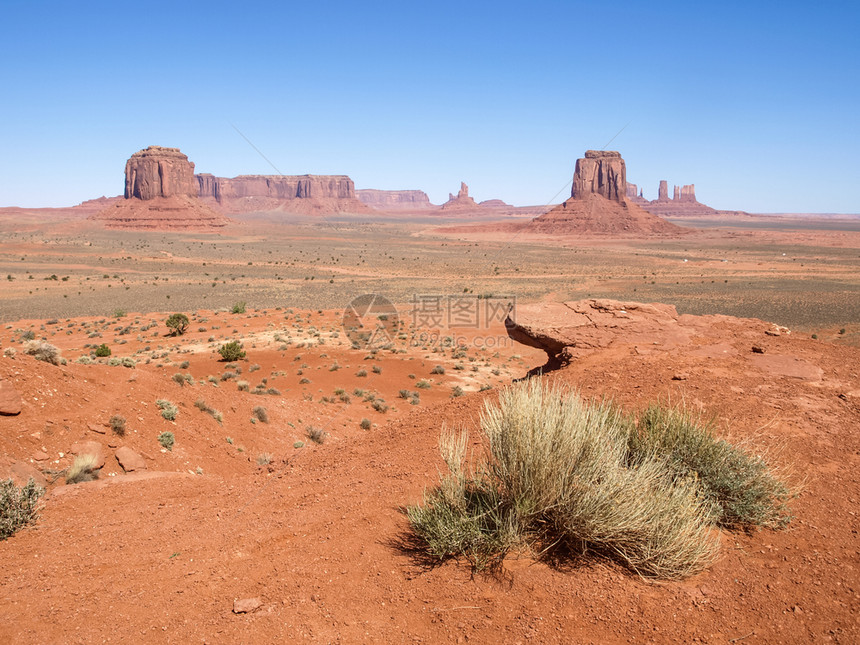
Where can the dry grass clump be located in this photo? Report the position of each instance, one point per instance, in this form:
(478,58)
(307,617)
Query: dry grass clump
(261,414)
(315,434)
(18,506)
(743,488)
(118,425)
(83,469)
(42,351)
(566,478)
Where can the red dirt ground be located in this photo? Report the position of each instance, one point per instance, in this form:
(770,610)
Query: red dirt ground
(319,535)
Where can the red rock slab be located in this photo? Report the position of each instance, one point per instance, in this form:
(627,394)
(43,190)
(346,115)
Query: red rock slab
(10,400)
(129,459)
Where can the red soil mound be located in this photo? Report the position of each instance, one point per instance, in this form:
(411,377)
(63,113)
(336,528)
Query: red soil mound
(178,212)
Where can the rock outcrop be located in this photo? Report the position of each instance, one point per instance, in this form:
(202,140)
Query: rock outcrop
(600,172)
(10,400)
(462,201)
(304,194)
(159,172)
(682,204)
(160,194)
(394,200)
(570,331)
(598,204)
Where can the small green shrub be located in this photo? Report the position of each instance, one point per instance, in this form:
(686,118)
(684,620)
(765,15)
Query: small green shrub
(423,385)
(166,439)
(243,386)
(18,506)
(264,459)
(177,324)
(365,424)
(231,351)
(238,308)
(168,409)
(102,351)
(438,370)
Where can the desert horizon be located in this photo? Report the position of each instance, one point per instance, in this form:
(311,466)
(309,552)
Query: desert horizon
(429,324)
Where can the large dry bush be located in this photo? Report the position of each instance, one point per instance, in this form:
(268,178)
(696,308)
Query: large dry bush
(564,477)
(43,351)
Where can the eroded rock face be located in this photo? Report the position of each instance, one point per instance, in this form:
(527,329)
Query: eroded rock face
(292,193)
(159,172)
(600,172)
(461,201)
(663,191)
(160,194)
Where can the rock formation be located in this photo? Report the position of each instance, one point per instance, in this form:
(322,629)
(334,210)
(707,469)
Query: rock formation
(303,194)
(598,204)
(600,172)
(632,190)
(159,172)
(462,201)
(568,331)
(394,200)
(682,204)
(160,193)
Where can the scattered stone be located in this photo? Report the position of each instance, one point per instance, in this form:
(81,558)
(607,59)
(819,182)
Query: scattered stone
(10,400)
(40,456)
(680,376)
(246,605)
(97,428)
(757,349)
(130,460)
(20,472)
(90,448)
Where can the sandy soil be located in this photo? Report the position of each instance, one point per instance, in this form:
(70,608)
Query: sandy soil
(318,534)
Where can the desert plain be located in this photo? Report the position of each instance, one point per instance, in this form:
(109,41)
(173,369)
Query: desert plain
(246,529)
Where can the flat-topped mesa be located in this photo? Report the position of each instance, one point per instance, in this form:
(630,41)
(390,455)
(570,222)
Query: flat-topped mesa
(302,194)
(688,193)
(394,199)
(160,194)
(600,172)
(276,187)
(159,172)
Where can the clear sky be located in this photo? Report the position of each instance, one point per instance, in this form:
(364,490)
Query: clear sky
(757,103)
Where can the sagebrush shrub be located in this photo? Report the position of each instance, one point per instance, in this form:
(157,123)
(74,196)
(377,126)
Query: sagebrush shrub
(42,351)
(562,476)
(18,506)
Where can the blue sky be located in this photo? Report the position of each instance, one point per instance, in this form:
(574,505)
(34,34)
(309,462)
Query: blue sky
(756,103)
